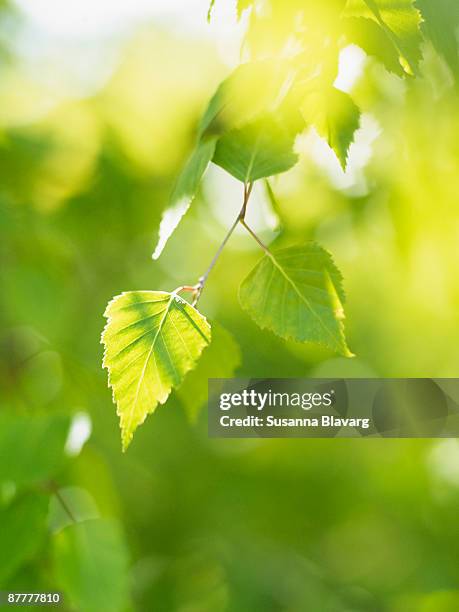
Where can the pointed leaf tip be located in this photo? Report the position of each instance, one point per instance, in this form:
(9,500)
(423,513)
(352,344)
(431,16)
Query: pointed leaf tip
(184,192)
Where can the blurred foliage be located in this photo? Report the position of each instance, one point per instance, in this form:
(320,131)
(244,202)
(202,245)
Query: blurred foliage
(182,522)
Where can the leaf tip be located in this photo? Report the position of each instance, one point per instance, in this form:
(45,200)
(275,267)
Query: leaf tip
(125,440)
(158,249)
(346,352)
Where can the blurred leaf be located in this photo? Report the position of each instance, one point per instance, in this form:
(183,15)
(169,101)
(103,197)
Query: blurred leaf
(242,5)
(91,564)
(257,150)
(92,471)
(335,116)
(219,360)
(22,530)
(31,447)
(251,90)
(274,204)
(441,21)
(401,22)
(184,192)
(297,293)
(200,581)
(209,10)
(152,339)
(78,501)
(369,36)
(41,378)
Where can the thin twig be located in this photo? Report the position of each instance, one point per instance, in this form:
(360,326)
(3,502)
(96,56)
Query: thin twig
(239,219)
(247,192)
(197,289)
(255,237)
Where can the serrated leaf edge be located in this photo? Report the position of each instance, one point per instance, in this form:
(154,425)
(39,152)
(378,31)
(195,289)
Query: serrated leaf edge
(126,439)
(344,351)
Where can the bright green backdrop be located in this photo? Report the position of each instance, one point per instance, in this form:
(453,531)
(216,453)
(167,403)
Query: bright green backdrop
(182,523)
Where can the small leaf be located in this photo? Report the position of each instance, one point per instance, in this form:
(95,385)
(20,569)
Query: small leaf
(152,339)
(297,293)
(257,150)
(371,38)
(91,565)
(22,530)
(335,117)
(184,192)
(219,360)
(400,21)
(32,447)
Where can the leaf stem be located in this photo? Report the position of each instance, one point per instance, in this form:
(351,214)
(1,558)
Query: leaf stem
(239,219)
(186,288)
(197,289)
(255,237)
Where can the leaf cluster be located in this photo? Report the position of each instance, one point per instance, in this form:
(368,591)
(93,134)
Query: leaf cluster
(249,128)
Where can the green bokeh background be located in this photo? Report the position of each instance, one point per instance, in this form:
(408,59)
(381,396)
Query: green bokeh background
(226,525)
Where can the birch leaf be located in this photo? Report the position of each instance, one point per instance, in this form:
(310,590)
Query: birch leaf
(335,117)
(184,192)
(297,293)
(400,20)
(257,150)
(220,360)
(152,339)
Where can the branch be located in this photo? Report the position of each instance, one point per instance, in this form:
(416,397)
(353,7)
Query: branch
(240,218)
(197,289)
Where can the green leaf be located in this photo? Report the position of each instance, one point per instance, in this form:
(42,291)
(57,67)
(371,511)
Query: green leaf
(22,530)
(440,24)
(297,293)
(31,447)
(219,360)
(369,36)
(91,565)
(251,90)
(209,10)
(80,503)
(184,192)
(152,339)
(257,150)
(335,117)
(400,21)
